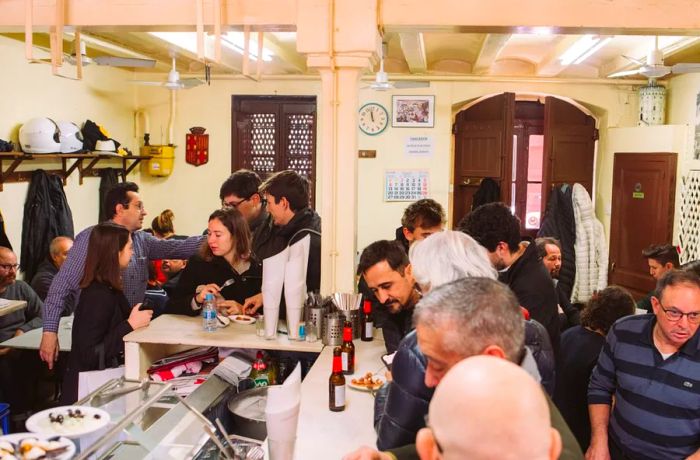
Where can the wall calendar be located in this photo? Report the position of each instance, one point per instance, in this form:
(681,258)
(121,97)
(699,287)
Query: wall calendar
(405,185)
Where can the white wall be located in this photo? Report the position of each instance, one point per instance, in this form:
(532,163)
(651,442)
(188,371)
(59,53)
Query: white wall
(29,90)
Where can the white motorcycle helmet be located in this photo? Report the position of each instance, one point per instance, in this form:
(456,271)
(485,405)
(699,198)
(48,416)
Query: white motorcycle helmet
(40,135)
(70,136)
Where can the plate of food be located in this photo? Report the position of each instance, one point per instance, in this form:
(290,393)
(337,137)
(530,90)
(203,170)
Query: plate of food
(26,446)
(242,319)
(368,382)
(68,421)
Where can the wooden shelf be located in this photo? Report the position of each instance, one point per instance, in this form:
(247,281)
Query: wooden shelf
(10,174)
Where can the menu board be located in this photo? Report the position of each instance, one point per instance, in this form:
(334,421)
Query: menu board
(405,185)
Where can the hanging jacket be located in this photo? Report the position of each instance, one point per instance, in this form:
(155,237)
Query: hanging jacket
(558,222)
(488,192)
(590,248)
(4,240)
(108,180)
(46,216)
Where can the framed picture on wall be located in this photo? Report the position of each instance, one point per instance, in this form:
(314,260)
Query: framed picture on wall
(413,111)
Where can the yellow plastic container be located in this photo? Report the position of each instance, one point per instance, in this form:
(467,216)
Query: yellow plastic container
(162,162)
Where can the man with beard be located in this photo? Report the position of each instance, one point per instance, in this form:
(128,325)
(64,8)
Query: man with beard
(172,269)
(16,364)
(388,274)
(549,249)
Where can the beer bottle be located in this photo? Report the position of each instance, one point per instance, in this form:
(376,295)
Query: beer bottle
(367,332)
(336,384)
(259,373)
(348,350)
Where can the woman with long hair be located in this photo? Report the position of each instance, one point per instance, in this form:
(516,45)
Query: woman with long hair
(103,315)
(225,267)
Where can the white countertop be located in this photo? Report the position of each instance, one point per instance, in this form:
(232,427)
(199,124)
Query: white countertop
(31,340)
(330,435)
(12,306)
(187,330)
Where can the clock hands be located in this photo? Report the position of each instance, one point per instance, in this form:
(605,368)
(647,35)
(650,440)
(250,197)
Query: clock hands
(371,114)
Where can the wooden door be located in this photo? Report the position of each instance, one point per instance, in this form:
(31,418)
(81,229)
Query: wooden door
(274,133)
(644,188)
(569,146)
(483,141)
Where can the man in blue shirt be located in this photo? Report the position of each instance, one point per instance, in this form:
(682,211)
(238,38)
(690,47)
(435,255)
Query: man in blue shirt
(124,205)
(650,365)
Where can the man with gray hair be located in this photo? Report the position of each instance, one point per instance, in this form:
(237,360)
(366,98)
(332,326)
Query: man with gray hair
(469,317)
(58,251)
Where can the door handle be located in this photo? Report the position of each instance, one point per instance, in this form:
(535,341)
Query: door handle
(612,267)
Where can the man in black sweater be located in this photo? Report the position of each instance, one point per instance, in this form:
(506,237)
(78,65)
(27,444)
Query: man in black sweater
(498,230)
(58,251)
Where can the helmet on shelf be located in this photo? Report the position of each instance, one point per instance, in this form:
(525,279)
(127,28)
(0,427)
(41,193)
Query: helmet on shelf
(70,137)
(40,135)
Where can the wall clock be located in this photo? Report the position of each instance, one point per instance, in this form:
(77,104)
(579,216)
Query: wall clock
(373,118)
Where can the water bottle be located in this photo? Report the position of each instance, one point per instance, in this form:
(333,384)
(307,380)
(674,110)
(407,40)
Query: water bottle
(209,313)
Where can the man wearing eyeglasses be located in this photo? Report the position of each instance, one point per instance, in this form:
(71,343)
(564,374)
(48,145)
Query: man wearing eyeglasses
(17,365)
(650,368)
(240,191)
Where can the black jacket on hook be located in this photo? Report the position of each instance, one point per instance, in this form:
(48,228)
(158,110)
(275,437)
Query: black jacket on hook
(46,216)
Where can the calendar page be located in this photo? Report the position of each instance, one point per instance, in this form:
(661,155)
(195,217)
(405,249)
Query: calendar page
(405,185)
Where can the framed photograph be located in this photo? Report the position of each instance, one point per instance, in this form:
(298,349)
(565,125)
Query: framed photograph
(413,111)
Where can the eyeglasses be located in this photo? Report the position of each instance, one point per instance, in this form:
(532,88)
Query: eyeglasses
(138,206)
(9,267)
(231,204)
(673,314)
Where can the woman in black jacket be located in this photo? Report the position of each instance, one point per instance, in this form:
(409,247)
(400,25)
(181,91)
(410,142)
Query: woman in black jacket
(224,267)
(103,315)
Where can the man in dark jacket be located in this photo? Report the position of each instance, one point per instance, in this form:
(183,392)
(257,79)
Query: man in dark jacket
(385,267)
(498,230)
(549,250)
(58,251)
(241,191)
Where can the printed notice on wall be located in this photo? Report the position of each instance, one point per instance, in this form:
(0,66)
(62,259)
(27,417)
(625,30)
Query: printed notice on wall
(419,146)
(405,185)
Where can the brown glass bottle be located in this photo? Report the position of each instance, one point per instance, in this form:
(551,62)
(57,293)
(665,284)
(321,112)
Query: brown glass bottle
(367,329)
(336,384)
(348,350)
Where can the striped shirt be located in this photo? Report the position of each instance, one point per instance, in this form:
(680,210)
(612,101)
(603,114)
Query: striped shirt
(657,402)
(135,277)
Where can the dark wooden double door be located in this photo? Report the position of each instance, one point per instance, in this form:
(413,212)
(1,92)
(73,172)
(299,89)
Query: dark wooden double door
(491,138)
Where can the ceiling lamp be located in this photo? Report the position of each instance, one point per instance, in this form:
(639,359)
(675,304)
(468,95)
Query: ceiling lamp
(583,48)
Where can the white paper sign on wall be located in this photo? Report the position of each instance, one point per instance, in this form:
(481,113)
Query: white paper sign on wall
(419,146)
(405,185)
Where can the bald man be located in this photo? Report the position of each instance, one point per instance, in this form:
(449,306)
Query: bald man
(58,251)
(476,415)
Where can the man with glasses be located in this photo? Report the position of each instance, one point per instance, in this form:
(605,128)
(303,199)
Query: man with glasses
(240,191)
(650,368)
(124,206)
(18,368)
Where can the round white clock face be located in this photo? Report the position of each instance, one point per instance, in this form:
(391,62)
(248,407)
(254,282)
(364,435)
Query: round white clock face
(373,118)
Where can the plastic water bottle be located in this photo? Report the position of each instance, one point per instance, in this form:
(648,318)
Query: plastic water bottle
(209,313)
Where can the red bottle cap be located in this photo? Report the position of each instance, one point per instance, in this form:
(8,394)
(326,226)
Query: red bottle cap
(347,333)
(367,307)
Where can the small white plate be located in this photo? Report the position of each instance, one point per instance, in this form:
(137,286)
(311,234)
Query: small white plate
(40,423)
(242,319)
(357,376)
(15,438)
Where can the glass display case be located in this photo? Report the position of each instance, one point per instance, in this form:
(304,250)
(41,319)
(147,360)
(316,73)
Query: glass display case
(148,420)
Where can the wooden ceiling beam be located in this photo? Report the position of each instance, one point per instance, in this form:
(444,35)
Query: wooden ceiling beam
(490,49)
(413,48)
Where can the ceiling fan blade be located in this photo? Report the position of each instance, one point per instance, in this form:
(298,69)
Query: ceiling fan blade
(402,84)
(188,83)
(685,67)
(116,61)
(624,73)
(636,61)
(147,83)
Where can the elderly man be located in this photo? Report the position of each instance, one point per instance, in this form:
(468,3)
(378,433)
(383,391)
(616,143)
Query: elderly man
(125,207)
(58,252)
(649,367)
(495,227)
(17,365)
(469,317)
(385,268)
(476,415)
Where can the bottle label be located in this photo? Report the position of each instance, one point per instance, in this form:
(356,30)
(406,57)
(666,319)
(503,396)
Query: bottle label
(339,396)
(261,381)
(209,314)
(369,331)
(344,358)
